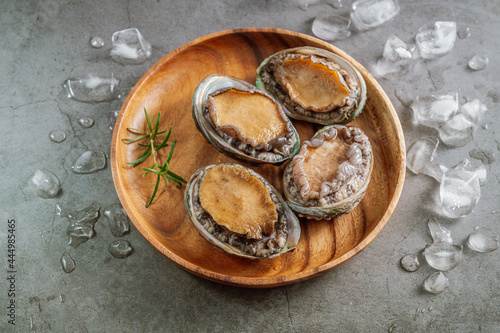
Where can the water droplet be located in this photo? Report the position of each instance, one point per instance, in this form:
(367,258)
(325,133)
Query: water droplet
(120,249)
(57,136)
(392,328)
(117,219)
(89,162)
(45,184)
(430,309)
(68,263)
(410,262)
(96,42)
(463,32)
(86,122)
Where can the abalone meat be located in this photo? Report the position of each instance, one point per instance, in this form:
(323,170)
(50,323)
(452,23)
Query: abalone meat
(314,85)
(239,212)
(245,123)
(329,175)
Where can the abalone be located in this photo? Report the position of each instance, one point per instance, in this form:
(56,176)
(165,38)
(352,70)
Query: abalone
(330,174)
(314,85)
(239,212)
(243,122)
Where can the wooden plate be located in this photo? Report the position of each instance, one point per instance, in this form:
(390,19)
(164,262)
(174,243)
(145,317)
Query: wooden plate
(168,87)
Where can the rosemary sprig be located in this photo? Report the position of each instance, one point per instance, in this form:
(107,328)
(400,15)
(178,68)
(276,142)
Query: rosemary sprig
(149,139)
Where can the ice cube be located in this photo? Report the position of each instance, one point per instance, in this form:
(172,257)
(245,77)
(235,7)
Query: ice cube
(81,227)
(480,171)
(368,14)
(89,162)
(457,132)
(129,47)
(478,62)
(459,192)
(439,233)
(118,220)
(483,240)
(396,57)
(436,283)
(443,256)
(434,110)
(421,158)
(331,27)
(91,88)
(45,184)
(437,39)
(410,262)
(304,4)
(120,249)
(474,110)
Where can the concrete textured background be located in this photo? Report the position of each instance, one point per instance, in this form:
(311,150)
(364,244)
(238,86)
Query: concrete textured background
(44,42)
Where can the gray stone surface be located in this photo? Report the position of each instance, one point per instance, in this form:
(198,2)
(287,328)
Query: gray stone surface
(44,42)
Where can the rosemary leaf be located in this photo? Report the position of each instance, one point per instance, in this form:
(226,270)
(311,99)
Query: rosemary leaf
(176,176)
(179,184)
(148,121)
(137,138)
(140,160)
(157,125)
(154,191)
(171,151)
(164,142)
(135,130)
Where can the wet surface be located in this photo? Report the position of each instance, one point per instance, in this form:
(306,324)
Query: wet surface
(45,43)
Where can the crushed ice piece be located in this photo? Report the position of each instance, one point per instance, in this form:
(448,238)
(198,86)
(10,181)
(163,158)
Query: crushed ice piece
(96,42)
(483,240)
(459,192)
(457,132)
(45,184)
(463,32)
(474,110)
(117,219)
(331,27)
(478,62)
(113,115)
(404,94)
(57,136)
(91,89)
(120,248)
(436,283)
(89,162)
(67,263)
(439,233)
(421,158)
(436,39)
(368,14)
(86,122)
(480,170)
(130,47)
(396,57)
(434,110)
(81,223)
(410,262)
(443,256)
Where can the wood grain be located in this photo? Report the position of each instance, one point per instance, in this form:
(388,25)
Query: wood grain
(168,87)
